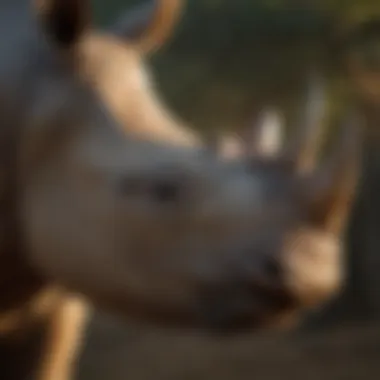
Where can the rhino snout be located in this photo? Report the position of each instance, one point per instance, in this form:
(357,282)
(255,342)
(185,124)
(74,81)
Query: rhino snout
(247,296)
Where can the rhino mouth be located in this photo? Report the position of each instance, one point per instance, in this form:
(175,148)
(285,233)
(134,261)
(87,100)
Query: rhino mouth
(242,306)
(228,308)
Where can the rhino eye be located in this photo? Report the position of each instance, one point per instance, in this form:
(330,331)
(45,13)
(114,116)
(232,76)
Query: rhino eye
(166,191)
(159,190)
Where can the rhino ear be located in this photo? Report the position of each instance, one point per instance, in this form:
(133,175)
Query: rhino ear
(64,21)
(149,26)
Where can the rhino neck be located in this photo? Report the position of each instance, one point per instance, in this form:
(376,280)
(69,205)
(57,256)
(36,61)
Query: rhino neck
(18,281)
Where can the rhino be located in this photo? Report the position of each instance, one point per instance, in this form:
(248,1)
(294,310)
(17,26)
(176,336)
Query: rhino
(110,200)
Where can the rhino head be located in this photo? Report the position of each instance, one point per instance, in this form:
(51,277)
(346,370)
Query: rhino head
(145,224)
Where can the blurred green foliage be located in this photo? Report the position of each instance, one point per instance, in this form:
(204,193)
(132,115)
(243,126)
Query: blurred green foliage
(228,57)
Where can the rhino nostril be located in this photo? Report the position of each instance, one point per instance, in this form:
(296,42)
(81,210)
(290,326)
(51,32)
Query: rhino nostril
(159,190)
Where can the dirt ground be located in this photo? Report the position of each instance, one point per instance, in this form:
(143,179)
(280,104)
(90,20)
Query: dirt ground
(118,352)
